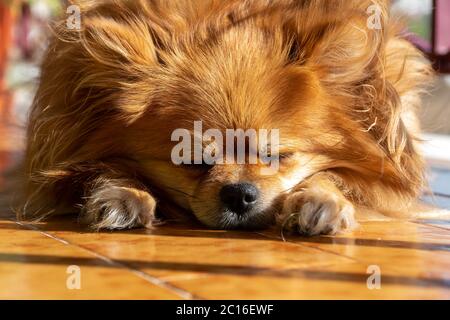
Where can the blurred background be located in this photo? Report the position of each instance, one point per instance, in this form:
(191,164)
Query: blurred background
(23,38)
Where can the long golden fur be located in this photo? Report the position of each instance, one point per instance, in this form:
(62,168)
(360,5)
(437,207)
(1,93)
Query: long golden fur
(342,95)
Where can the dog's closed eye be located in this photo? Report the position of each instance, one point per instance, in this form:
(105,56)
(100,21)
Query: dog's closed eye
(285,156)
(202,167)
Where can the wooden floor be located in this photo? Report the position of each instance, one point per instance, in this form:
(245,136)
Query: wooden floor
(189,262)
(176,262)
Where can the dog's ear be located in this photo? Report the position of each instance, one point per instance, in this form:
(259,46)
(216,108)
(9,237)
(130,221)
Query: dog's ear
(126,33)
(114,57)
(338,38)
(402,76)
(385,102)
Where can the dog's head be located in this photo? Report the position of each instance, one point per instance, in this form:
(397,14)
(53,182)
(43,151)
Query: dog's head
(233,130)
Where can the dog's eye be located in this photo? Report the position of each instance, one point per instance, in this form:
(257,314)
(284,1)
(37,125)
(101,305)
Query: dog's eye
(285,155)
(198,167)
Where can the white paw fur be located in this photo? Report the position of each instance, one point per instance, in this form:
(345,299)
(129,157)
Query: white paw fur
(114,207)
(315,211)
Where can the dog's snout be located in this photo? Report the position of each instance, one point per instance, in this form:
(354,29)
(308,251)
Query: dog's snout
(240,197)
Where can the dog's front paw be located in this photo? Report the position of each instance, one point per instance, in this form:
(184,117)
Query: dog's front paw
(316,211)
(115,207)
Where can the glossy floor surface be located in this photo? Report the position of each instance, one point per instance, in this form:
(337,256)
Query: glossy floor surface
(59,259)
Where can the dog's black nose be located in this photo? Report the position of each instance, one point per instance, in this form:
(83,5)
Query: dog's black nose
(240,197)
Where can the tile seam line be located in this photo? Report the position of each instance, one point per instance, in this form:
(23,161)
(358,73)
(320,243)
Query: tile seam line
(437,194)
(430,225)
(316,248)
(141,274)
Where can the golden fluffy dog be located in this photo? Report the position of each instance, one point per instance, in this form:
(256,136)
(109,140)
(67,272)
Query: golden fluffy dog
(342,95)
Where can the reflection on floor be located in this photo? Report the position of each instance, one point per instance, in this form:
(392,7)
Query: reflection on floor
(175,262)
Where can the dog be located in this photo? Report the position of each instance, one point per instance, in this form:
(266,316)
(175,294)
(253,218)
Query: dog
(337,79)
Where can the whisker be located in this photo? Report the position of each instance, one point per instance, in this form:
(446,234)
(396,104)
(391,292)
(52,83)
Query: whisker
(183,192)
(283,225)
